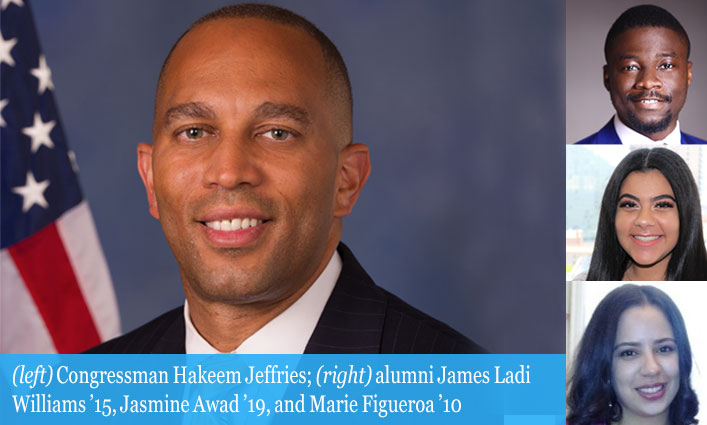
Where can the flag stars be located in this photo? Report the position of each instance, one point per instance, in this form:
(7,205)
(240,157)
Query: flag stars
(3,104)
(39,132)
(5,47)
(6,3)
(32,192)
(43,74)
(72,160)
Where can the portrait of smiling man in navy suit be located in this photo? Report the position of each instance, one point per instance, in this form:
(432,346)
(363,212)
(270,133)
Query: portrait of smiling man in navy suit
(647,75)
(251,169)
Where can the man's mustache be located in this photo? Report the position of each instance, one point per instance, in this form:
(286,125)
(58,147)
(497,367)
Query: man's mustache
(649,94)
(239,197)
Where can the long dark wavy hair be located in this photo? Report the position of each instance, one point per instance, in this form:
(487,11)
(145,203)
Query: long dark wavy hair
(591,398)
(688,260)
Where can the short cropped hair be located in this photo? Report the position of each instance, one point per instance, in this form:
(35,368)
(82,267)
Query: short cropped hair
(591,398)
(338,75)
(688,260)
(644,16)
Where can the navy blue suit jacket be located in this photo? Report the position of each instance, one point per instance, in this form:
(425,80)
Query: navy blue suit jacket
(607,136)
(359,317)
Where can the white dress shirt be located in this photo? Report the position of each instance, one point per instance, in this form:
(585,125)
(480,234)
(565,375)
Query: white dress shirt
(287,333)
(629,136)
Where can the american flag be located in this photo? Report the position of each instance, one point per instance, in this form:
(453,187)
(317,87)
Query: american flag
(56,295)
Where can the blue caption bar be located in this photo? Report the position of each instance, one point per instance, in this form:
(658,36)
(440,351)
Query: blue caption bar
(312,389)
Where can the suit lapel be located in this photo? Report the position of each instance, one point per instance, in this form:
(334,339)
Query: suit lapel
(607,135)
(169,337)
(353,318)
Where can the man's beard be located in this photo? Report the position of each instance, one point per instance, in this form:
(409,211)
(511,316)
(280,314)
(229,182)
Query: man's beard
(649,127)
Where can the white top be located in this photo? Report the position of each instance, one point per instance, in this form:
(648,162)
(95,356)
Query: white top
(287,333)
(629,136)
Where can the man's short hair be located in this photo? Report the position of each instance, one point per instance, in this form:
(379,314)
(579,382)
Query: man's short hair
(644,16)
(335,67)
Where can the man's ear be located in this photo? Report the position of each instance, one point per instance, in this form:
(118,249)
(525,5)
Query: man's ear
(689,73)
(606,76)
(354,168)
(144,167)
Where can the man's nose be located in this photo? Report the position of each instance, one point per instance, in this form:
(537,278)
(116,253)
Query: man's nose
(648,79)
(232,162)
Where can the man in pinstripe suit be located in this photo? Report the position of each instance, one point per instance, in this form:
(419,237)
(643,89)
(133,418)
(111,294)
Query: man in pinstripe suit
(251,170)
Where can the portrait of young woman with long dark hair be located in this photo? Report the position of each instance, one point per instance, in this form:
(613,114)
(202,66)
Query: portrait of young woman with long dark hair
(650,222)
(633,364)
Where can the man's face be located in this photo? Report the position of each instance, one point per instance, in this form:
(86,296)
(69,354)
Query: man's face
(647,76)
(245,173)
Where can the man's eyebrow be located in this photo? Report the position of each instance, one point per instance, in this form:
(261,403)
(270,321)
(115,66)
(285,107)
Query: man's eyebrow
(282,110)
(658,55)
(188,110)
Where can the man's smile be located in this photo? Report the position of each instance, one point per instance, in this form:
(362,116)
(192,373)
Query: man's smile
(650,100)
(233,227)
(233,224)
(222,234)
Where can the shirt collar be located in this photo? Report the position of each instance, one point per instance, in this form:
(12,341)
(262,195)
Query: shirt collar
(629,136)
(289,332)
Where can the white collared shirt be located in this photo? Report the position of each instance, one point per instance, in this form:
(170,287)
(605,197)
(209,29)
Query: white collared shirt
(629,136)
(287,333)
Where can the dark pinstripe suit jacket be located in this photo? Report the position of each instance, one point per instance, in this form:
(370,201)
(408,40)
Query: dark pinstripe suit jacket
(359,317)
